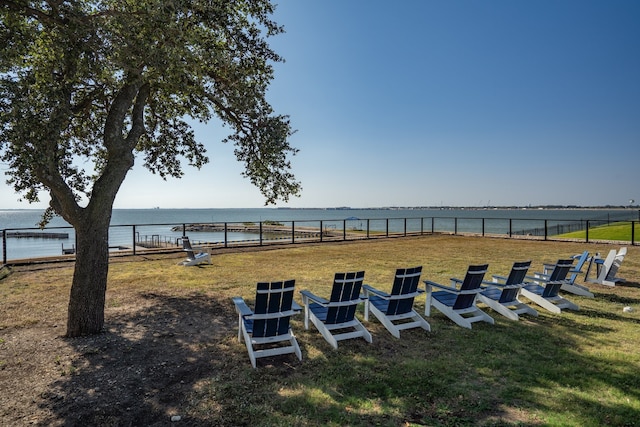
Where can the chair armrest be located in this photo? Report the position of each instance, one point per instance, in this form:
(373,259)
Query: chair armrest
(485,284)
(539,277)
(275,315)
(295,306)
(308,295)
(492,284)
(417,293)
(241,307)
(373,290)
(496,281)
(469,291)
(439,286)
(546,268)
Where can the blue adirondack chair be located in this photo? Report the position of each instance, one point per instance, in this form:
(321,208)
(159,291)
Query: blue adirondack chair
(569,284)
(607,268)
(335,318)
(458,301)
(268,323)
(193,258)
(501,294)
(544,291)
(395,310)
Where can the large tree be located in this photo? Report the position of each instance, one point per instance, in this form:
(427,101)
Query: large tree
(87,87)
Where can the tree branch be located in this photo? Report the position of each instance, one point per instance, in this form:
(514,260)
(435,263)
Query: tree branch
(137,116)
(113,129)
(29,11)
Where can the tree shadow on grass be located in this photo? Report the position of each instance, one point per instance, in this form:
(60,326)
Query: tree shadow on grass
(580,382)
(627,284)
(143,368)
(179,356)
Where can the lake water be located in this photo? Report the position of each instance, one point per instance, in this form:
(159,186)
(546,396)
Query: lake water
(159,223)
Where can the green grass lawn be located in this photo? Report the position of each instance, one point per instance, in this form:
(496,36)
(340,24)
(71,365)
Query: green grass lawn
(620,231)
(579,368)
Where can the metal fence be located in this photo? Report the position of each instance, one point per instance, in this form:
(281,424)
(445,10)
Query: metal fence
(23,244)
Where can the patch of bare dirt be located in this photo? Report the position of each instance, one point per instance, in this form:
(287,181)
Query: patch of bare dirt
(140,371)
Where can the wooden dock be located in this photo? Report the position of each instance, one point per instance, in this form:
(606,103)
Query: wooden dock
(36,235)
(249,228)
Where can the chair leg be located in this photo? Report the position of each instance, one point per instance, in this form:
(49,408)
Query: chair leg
(496,306)
(296,347)
(249,344)
(577,290)
(564,303)
(324,331)
(484,317)
(427,304)
(457,318)
(549,306)
(240,327)
(366,335)
(421,322)
(386,322)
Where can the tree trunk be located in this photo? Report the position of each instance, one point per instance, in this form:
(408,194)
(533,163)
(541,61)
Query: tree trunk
(89,286)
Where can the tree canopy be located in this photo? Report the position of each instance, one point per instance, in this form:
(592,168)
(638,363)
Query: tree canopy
(86,87)
(85,82)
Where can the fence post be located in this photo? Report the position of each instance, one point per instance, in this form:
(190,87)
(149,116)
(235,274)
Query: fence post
(4,247)
(482,227)
(226,242)
(421,225)
(367,228)
(433,220)
(633,232)
(293,231)
(344,229)
(387,227)
(134,239)
(455,226)
(510,227)
(546,233)
(587,233)
(321,232)
(260,231)
(405,227)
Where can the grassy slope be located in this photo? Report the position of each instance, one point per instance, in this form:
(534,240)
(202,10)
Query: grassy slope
(575,369)
(620,231)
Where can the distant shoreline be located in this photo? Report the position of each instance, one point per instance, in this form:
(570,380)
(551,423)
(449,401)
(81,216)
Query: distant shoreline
(390,208)
(395,208)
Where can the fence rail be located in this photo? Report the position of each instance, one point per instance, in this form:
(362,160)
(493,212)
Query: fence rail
(21,244)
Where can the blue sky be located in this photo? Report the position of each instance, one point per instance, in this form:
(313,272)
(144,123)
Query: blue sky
(429,103)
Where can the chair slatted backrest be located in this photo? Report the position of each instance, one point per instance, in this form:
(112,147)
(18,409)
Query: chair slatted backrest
(472,280)
(557,277)
(405,283)
(581,260)
(516,277)
(186,246)
(617,262)
(346,287)
(273,298)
